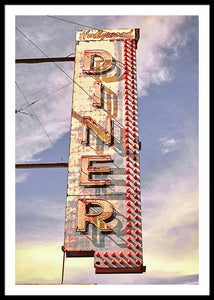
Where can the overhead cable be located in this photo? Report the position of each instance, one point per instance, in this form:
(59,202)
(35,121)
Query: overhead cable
(40,123)
(47,95)
(87,26)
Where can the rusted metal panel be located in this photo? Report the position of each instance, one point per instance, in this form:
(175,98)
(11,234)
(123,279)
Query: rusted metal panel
(103,207)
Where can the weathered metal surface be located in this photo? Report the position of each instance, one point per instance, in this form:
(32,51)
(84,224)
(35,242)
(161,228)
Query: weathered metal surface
(103,207)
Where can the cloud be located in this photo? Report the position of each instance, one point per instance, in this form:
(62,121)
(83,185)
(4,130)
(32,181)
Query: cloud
(39,218)
(175,174)
(42,263)
(160,36)
(170,207)
(21,176)
(33,260)
(168,144)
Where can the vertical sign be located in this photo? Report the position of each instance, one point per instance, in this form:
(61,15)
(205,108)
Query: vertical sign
(103,205)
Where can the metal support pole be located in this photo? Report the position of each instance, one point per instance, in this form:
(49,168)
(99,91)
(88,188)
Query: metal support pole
(63,266)
(43,60)
(42,165)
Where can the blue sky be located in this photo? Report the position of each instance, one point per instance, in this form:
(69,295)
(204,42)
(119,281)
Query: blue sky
(167,65)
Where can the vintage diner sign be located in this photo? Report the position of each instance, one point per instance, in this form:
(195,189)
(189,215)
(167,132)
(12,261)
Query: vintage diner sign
(103,206)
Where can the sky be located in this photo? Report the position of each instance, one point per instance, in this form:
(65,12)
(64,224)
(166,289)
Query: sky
(167,70)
